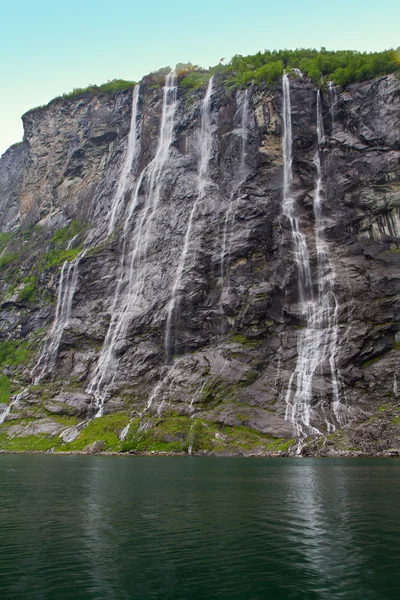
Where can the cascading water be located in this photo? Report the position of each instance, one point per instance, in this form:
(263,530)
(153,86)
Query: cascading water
(333,100)
(66,291)
(131,279)
(70,270)
(243,132)
(317,342)
(130,160)
(205,143)
(8,410)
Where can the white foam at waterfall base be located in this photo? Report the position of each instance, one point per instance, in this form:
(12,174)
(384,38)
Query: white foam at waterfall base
(132,271)
(205,143)
(318,341)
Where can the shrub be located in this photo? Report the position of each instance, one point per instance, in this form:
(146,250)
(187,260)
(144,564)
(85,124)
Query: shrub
(4,389)
(13,352)
(55,258)
(8,258)
(28,292)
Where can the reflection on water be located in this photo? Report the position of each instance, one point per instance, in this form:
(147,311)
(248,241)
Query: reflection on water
(114,528)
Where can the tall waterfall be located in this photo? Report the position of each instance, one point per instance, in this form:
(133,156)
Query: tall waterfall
(134,249)
(242,101)
(317,342)
(70,270)
(132,152)
(66,291)
(205,143)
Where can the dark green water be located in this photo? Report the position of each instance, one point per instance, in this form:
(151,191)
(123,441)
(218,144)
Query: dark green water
(115,528)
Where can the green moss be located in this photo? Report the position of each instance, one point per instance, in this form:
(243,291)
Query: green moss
(106,429)
(28,292)
(238,338)
(4,239)
(169,433)
(8,258)
(14,352)
(29,443)
(65,234)
(56,257)
(5,385)
(280,445)
(371,361)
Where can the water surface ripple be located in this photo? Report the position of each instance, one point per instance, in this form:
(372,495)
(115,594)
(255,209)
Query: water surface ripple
(97,528)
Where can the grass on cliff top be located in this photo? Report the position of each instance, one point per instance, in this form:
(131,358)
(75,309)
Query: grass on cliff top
(110,87)
(343,67)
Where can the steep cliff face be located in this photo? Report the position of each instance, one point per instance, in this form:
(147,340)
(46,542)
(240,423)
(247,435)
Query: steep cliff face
(204,303)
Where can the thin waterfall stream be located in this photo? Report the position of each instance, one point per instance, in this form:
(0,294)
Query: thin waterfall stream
(131,279)
(243,132)
(203,178)
(70,270)
(317,341)
(66,291)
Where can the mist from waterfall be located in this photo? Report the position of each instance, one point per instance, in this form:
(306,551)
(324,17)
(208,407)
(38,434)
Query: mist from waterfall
(317,341)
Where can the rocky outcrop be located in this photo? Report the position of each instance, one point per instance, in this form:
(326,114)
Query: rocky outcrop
(235,330)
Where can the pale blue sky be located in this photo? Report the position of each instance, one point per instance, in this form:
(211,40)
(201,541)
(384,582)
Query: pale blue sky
(49,47)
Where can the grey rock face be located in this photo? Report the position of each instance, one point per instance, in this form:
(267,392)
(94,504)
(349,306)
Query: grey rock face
(11,178)
(236,332)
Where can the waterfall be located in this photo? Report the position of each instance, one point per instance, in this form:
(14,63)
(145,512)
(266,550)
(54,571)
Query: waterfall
(70,270)
(242,101)
(317,342)
(5,413)
(333,100)
(132,277)
(66,291)
(288,206)
(124,431)
(205,143)
(131,155)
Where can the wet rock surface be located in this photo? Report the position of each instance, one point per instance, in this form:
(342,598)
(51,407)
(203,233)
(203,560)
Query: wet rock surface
(236,327)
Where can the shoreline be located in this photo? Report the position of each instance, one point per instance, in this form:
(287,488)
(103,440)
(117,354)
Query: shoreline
(389,454)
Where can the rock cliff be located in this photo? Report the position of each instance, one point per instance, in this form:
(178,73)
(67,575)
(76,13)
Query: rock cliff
(151,275)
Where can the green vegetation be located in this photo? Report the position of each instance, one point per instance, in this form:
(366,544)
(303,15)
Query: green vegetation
(65,234)
(195,80)
(8,258)
(238,338)
(4,239)
(55,258)
(29,443)
(106,429)
(13,352)
(28,292)
(4,389)
(169,433)
(60,253)
(342,67)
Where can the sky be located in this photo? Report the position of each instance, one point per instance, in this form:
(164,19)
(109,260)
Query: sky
(50,47)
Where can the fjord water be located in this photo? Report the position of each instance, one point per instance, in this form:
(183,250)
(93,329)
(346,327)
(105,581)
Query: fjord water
(80,528)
